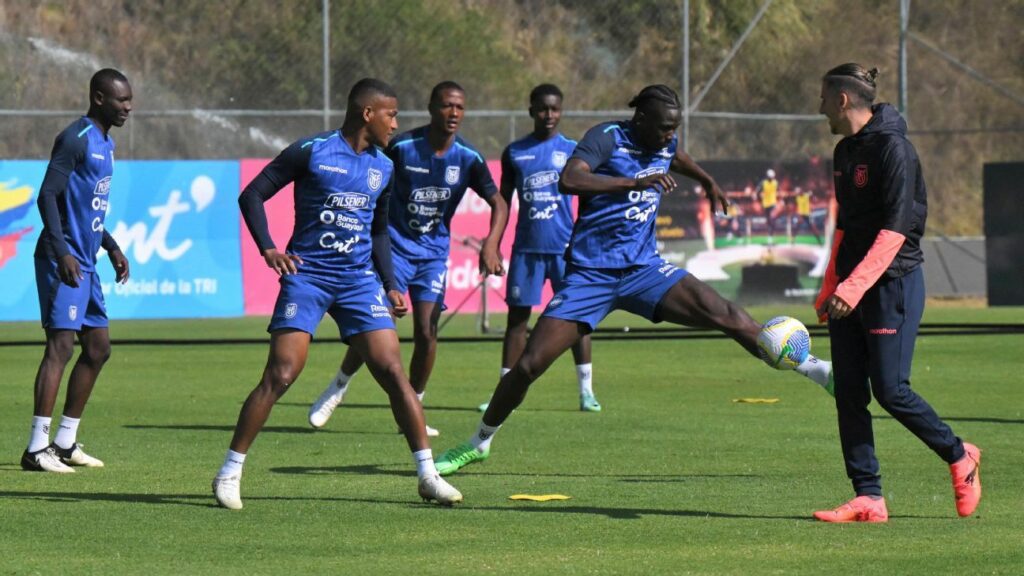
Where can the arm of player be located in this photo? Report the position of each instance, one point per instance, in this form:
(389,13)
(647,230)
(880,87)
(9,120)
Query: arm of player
(276,175)
(596,148)
(490,252)
(831,280)
(380,252)
(67,153)
(685,165)
(117,257)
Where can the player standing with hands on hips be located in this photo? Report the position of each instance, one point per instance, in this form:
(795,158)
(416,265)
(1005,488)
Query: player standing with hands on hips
(873,293)
(73,205)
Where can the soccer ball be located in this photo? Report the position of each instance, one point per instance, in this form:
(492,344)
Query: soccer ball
(784,343)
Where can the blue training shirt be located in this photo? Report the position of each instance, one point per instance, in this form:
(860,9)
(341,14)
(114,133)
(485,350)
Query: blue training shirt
(532,167)
(428,189)
(337,193)
(84,156)
(617,230)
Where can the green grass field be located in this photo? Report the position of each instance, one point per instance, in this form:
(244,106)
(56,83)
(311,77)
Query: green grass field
(672,477)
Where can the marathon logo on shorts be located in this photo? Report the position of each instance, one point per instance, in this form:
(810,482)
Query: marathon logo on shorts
(72,312)
(102,187)
(347,201)
(451,175)
(540,180)
(883,331)
(374,178)
(555,302)
(431,194)
(860,175)
(290,310)
(559,158)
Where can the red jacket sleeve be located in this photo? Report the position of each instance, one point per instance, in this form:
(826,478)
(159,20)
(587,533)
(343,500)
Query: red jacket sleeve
(871,268)
(828,286)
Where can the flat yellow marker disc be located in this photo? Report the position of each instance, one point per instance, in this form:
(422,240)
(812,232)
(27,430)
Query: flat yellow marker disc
(539,497)
(756,400)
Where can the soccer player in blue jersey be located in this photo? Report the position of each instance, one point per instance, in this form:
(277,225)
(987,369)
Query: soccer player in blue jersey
(73,205)
(434,167)
(531,166)
(338,261)
(620,170)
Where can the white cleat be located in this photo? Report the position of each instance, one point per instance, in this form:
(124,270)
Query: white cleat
(321,410)
(438,489)
(227,490)
(75,456)
(431,432)
(45,460)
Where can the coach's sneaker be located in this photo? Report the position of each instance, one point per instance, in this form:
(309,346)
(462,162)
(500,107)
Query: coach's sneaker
(45,460)
(75,456)
(435,488)
(588,403)
(966,473)
(459,457)
(227,491)
(860,509)
(321,410)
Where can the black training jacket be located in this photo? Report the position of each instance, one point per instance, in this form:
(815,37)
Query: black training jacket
(879,186)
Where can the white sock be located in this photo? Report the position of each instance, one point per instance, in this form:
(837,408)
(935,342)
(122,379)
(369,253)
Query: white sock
(815,369)
(341,380)
(420,395)
(424,460)
(484,434)
(233,463)
(67,432)
(504,371)
(583,375)
(40,437)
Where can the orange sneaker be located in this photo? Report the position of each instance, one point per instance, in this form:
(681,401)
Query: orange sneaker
(966,473)
(860,509)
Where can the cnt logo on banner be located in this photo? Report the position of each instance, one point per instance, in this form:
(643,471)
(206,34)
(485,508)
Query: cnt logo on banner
(170,218)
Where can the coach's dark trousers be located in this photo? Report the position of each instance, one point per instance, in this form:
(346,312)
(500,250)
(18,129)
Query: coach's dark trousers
(872,349)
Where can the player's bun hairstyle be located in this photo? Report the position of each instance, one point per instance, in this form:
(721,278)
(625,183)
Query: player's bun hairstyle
(544,90)
(365,89)
(435,93)
(103,80)
(655,93)
(857,81)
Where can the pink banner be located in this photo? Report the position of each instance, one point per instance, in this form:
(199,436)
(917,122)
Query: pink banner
(469,227)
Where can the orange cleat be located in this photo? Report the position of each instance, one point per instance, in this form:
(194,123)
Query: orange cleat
(860,509)
(966,473)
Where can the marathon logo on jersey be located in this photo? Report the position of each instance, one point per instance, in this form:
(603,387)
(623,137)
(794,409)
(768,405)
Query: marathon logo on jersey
(72,313)
(432,193)
(98,156)
(418,170)
(347,201)
(334,169)
(540,180)
(290,310)
(629,151)
(374,178)
(860,175)
(523,157)
(451,175)
(102,187)
(559,158)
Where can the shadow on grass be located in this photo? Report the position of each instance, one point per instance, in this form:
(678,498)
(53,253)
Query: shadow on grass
(202,501)
(984,419)
(347,406)
(228,428)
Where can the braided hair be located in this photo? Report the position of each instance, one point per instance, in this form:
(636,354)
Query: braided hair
(655,93)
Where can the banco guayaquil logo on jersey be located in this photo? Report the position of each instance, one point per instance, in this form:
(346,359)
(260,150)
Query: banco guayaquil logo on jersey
(559,158)
(102,187)
(374,178)
(347,201)
(290,310)
(451,175)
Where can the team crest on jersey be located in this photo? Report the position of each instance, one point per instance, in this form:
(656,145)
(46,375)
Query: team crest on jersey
(558,158)
(451,175)
(860,175)
(72,312)
(290,310)
(374,178)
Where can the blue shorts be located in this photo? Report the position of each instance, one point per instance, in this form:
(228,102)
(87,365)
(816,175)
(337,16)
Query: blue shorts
(527,273)
(591,293)
(357,305)
(424,280)
(62,307)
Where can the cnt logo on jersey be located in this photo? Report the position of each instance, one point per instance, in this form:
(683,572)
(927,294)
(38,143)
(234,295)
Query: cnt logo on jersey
(860,175)
(451,175)
(374,178)
(559,158)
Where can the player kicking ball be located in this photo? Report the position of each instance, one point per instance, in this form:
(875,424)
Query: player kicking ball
(620,170)
(341,192)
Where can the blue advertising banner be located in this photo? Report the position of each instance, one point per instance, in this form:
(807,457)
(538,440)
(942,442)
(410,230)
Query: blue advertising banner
(176,221)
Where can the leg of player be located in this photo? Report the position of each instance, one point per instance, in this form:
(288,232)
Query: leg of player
(691,302)
(584,374)
(39,455)
(322,409)
(381,351)
(288,351)
(514,342)
(425,316)
(95,352)
(550,338)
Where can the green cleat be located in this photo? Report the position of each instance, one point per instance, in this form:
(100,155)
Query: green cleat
(588,403)
(456,458)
